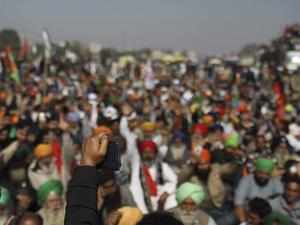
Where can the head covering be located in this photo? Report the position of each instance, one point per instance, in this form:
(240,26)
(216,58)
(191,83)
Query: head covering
(289,108)
(51,186)
(279,218)
(197,99)
(205,156)
(148,145)
(190,190)
(4,196)
(194,107)
(294,129)
(103,130)
(264,165)
(73,117)
(111,113)
(26,189)
(130,216)
(179,135)
(14,119)
(43,151)
(208,120)
(92,97)
(200,129)
(148,126)
(233,140)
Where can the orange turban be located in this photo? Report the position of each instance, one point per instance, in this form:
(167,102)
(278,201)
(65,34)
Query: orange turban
(3,95)
(208,120)
(43,151)
(14,119)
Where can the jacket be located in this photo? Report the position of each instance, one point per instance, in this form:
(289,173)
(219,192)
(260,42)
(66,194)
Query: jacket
(81,206)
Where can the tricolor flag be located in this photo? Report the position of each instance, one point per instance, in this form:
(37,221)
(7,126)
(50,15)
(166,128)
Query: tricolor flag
(12,66)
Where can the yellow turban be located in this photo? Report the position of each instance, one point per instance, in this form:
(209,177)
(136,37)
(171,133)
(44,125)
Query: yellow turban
(130,216)
(43,151)
(148,126)
(208,120)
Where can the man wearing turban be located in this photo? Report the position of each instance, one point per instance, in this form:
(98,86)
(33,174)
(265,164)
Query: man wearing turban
(189,197)
(152,181)
(178,153)
(125,216)
(50,197)
(260,184)
(43,167)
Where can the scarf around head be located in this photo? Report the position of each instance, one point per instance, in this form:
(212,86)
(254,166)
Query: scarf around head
(190,190)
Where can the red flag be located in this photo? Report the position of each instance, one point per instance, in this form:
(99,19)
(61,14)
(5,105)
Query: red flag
(58,156)
(280,99)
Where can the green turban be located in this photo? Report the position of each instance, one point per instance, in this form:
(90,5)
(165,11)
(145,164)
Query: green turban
(4,196)
(279,218)
(264,165)
(289,108)
(47,188)
(233,140)
(197,99)
(190,190)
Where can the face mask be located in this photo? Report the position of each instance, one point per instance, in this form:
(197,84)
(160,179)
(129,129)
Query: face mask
(262,182)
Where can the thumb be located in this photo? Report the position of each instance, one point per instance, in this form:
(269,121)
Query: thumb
(102,139)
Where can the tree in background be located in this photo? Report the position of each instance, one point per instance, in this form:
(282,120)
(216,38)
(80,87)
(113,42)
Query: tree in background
(10,38)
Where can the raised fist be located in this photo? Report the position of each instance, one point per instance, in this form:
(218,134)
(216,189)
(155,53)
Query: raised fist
(94,149)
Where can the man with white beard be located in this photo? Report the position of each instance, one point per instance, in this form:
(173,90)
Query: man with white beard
(50,196)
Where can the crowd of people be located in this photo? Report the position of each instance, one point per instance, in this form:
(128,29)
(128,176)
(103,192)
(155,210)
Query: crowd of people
(209,143)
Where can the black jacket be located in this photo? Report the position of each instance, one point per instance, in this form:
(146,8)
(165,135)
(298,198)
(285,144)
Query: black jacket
(81,206)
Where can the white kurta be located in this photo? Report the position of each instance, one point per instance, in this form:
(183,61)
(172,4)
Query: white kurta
(168,175)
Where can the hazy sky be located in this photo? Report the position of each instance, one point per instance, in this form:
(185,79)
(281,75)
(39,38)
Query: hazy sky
(208,26)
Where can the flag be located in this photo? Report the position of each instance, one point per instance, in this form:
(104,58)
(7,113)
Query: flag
(12,66)
(24,50)
(47,44)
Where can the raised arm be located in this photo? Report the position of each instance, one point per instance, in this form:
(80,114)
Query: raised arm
(82,201)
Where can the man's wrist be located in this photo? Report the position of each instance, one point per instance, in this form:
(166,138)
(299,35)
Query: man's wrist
(87,162)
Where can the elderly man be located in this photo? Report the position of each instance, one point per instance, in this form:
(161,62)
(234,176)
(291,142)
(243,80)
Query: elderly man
(43,167)
(260,184)
(189,197)
(51,199)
